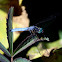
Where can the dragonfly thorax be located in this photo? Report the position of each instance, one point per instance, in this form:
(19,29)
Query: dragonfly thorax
(38,30)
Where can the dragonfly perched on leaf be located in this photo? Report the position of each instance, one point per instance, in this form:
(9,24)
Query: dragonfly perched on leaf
(34,29)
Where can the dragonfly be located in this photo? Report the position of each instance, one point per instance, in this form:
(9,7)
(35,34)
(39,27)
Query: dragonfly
(34,29)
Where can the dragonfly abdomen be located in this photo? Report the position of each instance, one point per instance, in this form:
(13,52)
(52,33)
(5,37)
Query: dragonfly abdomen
(23,29)
(19,29)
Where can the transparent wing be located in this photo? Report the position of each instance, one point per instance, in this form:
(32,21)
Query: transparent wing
(46,19)
(47,23)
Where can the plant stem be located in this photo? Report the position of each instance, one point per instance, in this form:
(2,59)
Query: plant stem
(12,59)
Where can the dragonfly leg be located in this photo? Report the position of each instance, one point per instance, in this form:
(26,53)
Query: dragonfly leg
(32,32)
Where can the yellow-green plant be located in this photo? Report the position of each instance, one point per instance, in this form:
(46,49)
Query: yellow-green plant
(11,54)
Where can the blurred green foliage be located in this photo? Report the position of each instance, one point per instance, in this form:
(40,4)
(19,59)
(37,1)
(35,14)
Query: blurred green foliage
(46,47)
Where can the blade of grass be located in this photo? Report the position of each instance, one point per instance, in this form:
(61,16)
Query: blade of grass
(19,49)
(4,50)
(3,58)
(9,27)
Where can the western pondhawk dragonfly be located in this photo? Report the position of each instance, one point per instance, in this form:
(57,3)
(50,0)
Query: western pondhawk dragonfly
(34,29)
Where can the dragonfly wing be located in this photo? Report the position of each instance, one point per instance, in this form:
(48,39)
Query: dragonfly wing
(47,21)
(19,29)
(47,24)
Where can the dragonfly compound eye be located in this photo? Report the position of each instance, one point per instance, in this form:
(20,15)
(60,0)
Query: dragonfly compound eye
(40,30)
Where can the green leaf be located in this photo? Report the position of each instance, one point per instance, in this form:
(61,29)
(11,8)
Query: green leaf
(21,60)
(3,58)
(4,50)
(3,34)
(29,43)
(45,48)
(9,27)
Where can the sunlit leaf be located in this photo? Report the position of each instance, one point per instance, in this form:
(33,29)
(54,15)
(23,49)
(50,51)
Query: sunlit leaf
(3,34)
(20,2)
(21,21)
(33,53)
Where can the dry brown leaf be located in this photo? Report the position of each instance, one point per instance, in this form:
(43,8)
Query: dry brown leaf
(21,21)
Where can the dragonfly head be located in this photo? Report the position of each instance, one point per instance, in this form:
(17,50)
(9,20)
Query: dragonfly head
(38,30)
